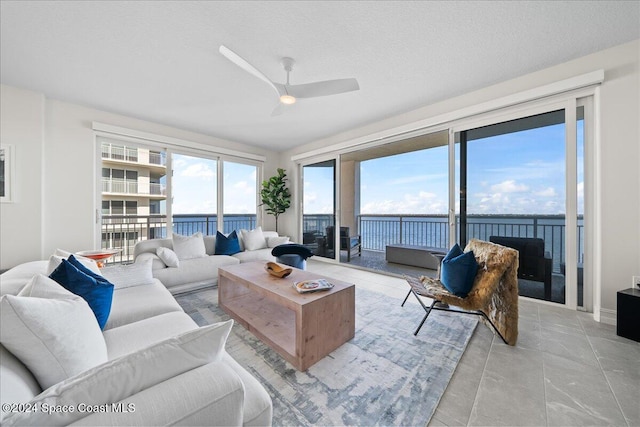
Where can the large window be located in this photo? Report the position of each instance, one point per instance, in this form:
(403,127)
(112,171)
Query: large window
(240,196)
(195,194)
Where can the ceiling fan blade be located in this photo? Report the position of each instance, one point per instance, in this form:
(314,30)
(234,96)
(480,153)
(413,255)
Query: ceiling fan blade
(328,87)
(242,63)
(280,108)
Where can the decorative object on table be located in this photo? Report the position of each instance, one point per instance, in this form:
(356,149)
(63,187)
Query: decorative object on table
(292,254)
(277,270)
(275,195)
(99,256)
(383,376)
(493,296)
(314,285)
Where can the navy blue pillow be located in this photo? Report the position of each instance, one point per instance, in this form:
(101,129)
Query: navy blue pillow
(80,266)
(98,295)
(458,272)
(227,245)
(455,251)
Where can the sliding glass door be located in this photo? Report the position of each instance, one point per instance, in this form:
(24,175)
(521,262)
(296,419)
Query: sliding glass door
(520,183)
(319,208)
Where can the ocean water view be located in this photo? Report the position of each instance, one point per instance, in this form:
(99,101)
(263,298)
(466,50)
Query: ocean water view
(376,231)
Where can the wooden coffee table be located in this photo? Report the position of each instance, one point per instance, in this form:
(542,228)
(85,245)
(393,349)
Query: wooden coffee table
(302,328)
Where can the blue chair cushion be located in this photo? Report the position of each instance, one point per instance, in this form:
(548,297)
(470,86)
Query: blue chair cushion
(98,294)
(227,245)
(292,260)
(458,271)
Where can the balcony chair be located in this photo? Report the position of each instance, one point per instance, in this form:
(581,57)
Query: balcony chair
(493,297)
(535,263)
(347,242)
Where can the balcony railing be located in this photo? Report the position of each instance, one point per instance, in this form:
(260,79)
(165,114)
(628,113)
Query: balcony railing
(119,186)
(123,186)
(124,231)
(378,231)
(116,152)
(130,154)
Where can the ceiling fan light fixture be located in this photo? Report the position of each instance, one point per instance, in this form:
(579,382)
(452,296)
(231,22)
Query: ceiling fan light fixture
(287,99)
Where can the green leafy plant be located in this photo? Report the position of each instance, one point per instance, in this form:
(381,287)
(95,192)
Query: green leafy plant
(275,195)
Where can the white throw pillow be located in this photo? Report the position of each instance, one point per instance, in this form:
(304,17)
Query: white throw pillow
(168,256)
(129,275)
(272,242)
(55,260)
(254,239)
(187,247)
(125,376)
(52,331)
(156,262)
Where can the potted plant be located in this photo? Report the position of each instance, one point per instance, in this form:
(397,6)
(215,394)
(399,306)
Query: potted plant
(275,195)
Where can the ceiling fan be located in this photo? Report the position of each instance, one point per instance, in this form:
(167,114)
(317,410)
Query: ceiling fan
(288,93)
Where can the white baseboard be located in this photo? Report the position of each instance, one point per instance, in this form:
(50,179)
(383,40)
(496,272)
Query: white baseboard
(608,316)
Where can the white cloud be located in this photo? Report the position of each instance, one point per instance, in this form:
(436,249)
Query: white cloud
(198,170)
(547,192)
(509,186)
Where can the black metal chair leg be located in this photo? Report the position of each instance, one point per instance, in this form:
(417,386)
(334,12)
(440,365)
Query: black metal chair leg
(425,317)
(405,299)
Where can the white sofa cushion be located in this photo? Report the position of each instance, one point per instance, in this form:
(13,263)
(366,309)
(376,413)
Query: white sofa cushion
(18,384)
(13,280)
(128,275)
(169,257)
(52,331)
(118,379)
(257,255)
(187,247)
(195,270)
(140,302)
(143,333)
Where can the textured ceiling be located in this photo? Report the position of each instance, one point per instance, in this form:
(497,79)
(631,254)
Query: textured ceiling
(159,61)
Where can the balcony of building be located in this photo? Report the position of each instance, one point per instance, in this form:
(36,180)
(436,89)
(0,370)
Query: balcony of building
(119,187)
(123,155)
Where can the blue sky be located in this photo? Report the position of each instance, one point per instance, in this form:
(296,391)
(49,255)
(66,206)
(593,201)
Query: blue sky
(195,190)
(517,173)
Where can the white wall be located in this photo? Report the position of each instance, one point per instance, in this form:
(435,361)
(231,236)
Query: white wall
(21,126)
(618,161)
(57,164)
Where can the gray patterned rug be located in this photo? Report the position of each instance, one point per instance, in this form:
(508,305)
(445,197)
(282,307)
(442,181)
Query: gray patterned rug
(383,376)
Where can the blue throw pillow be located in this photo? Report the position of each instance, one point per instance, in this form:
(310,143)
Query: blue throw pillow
(227,245)
(458,273)
(77,264)
(98,294)
(455,251)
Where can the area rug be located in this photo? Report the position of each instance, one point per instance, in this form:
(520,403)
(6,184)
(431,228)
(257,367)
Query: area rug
(383,376)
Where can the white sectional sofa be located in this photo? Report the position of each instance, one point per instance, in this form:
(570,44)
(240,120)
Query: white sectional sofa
(200,272)
(220,392)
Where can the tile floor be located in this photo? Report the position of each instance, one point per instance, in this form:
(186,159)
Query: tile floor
(566,369)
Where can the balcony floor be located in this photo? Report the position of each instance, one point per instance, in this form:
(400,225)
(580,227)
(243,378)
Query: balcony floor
(375,261)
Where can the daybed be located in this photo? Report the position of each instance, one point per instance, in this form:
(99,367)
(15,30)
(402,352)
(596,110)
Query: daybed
(201,271)
(160,367)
